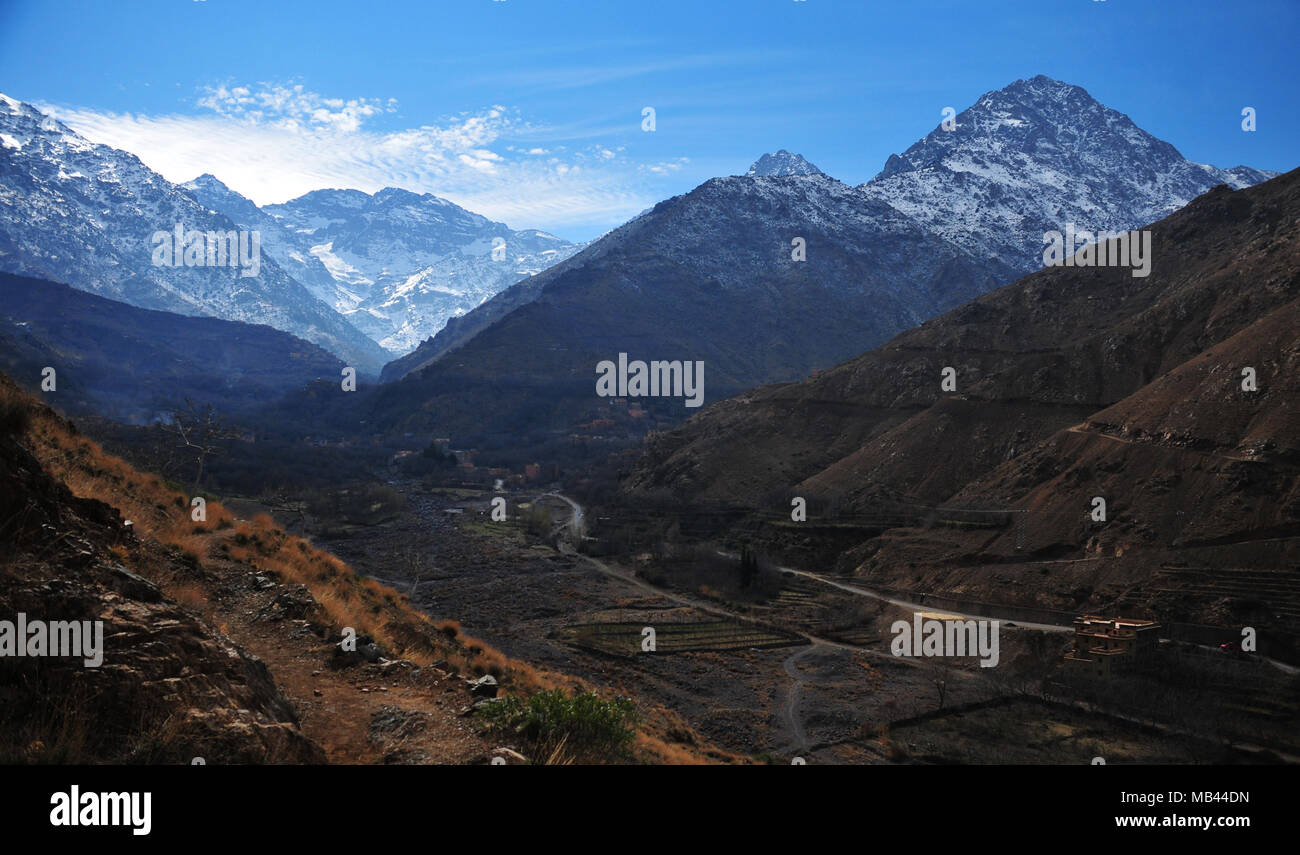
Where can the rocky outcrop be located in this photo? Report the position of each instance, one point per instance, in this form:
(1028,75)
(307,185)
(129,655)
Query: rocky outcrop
(169,688)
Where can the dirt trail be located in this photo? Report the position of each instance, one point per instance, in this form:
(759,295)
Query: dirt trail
(794,722)
(1082,429)
(790,710)
(368,713)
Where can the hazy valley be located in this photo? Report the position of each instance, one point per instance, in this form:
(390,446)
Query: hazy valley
(382,511)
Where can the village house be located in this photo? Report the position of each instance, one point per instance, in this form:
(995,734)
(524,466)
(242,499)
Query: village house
(1103,645)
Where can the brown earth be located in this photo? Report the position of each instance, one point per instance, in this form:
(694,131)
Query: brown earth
(1072,383)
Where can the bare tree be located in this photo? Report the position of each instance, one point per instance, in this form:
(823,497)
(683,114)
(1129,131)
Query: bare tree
(162,454)
(201,432)
(281,500)
(940,669)
(414,563)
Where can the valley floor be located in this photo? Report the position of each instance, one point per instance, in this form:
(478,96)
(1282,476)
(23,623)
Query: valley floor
(769,681)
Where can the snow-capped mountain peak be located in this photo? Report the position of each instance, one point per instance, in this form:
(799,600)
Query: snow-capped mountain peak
(397,264)
(88,215)
(1035,156)
(780,164)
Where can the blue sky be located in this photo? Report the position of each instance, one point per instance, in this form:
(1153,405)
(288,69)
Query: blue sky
(530,111)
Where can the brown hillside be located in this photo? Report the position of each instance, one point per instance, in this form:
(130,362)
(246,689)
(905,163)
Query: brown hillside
(1072,383)
(1032,357)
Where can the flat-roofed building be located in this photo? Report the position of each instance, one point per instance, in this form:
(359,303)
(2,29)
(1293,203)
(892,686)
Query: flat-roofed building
(1103,645)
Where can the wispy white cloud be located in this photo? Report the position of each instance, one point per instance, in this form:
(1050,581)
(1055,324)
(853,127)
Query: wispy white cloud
(274,142)
(559,77)
(667,166)
(292,107)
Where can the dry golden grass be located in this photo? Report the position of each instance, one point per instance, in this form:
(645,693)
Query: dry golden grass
(191,595)
(345,598)
(160,513)
(559,755)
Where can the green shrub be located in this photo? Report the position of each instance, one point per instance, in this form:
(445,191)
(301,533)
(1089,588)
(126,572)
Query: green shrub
(538,521)
(584,727)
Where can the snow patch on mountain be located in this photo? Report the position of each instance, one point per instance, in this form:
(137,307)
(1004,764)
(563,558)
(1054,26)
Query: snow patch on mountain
(397,264)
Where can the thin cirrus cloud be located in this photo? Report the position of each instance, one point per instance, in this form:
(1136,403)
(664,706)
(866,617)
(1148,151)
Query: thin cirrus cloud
(273,143)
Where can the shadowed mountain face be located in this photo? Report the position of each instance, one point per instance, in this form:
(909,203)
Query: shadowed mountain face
(711,270)
(86,214)
(1071,384)
(134,364)
(708,275)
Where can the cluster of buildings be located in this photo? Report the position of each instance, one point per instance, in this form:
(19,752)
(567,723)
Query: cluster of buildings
(618,410)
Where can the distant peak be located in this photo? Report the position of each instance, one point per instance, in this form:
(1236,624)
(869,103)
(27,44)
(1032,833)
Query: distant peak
(1042,80)
(207,179)
(1023,116)
(395,193)
(402,196)
(14,107)
(1041,87)
(332,195)
(782,163)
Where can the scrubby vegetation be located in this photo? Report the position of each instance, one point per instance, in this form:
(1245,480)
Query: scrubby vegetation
(748,577)
(561,728)
(557,716)
(159,512)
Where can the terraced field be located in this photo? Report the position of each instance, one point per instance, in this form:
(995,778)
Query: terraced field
(1279,588)
(798,599)
(624,638)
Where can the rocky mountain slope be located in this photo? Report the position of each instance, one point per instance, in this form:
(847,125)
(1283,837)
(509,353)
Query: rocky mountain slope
(705,275)
(1072,383)
(1036,156)
(169,687)
(85,214)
